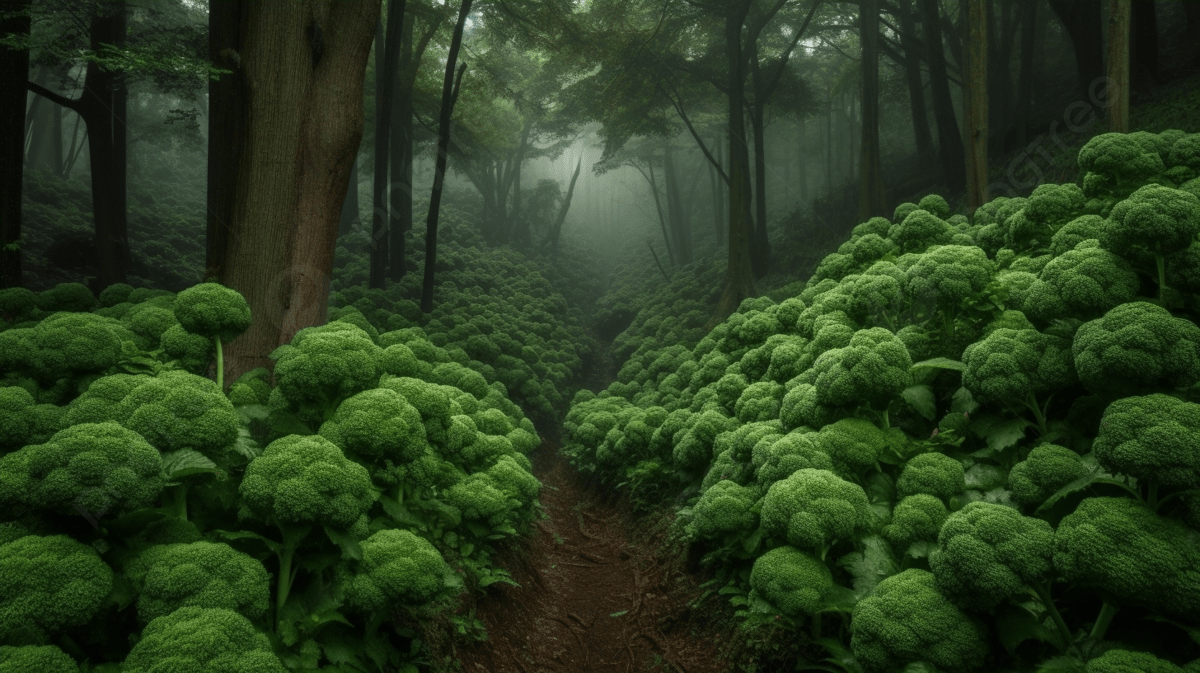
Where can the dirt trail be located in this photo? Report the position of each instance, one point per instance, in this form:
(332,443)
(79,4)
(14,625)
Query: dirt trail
(592,598)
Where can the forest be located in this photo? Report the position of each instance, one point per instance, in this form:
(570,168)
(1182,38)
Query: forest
(573,336)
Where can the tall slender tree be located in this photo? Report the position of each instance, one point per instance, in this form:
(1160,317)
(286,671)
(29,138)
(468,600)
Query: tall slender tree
(870,184)
(975,103)
(1120,14)
(950,145)
(14,71)
(387,51)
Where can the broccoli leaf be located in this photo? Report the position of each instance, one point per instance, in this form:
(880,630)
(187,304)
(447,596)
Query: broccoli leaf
(1015,625)
(963,402)
(346,541)
(1094,472)
(870,566)
(185,463)
(939,363)
(921,399)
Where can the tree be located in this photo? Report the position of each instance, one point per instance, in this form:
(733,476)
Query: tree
(14,70)
(911,48)
(556,228)
(450,89)
(1119,14)
(302,122)
(950,145)
(975,103)
(870,197)
(1081,19)
(387,51)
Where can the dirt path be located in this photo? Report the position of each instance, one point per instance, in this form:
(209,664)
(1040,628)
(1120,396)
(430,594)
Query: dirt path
(592,598)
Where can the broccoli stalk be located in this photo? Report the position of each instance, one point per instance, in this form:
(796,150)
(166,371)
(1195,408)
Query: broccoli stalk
(1042,591)
(216,312)
(1154,220)
(292,537)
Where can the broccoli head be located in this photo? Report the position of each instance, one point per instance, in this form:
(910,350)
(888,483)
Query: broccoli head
(48,585)
(212,310)
(915,518)
(72,297)
(326,364)
(62,345)
(919,230)
(1082,228)
(853,444)
(1155,221)
(905,619)
(1120,546)
(202,639)
(90,467)
(937,474)
(812,509)
(988,553)
(724,509)
(302,480)
(1014,367)
(1152,439)
(781,458)
(202,574)
(1117,164)
(1082,283)
(23,422)
(380,426)
(949,274)
(397,567)
(1137,347)
(36,659)
(1124,661)
(791,580)
(1048,468)
(871,370)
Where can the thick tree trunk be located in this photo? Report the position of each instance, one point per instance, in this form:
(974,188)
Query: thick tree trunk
(916,89)
(950,146)
(450,87)
(870,183)
(1119,15)
(1082,23)
(760,254)
(975,103)
(304,68)
(14,72)
(349,217)
(739,275)
(228,116)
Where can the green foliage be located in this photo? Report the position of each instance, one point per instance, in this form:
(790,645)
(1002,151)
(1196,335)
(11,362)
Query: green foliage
(49,585)
(200,574)
(1137,347)
(36,659)
(199,638)
(791,581)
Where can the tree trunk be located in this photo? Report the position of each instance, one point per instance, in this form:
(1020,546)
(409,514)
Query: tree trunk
(556,230)
(1119,14)
(760,253)
(950,146)
(304,67)
(829,145)
(870,192)
(675,206)
(387,50)
(349,217)
(802,166)
(662,218)
(739,275)
(716,186)
(916,90)
(722,193)
(975,102)
(1025,78)
(103,108)
(228,116)
(14,72)
(450,86)
(401,191)
(1144,53)
(521,234)
(1082,23)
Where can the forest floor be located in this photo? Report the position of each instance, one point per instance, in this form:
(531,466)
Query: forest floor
(597,593)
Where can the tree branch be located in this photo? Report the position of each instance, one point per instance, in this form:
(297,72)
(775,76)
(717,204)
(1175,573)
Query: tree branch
(69,103)
(703,148)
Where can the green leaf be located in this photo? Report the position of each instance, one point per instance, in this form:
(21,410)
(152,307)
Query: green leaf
(240,534)
(751,543)
(939,363)
(963,402)
(838,598)
(1062,665)
(399,513)
(920,667)
(618,614)
(466,549)
(185,463)
(1004,433)
(920,549)
(1193,632)
(122,592)
(347,542)
(1094,473)
(921,398)
(870,566)
(1015,625)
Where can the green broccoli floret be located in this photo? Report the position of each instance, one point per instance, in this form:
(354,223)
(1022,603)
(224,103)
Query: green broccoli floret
(1048,209)
(694,448)
(905,619)
(478,499)
(202,639)
(1120,546)
(397,568)
(1048,468)
(919,230)
(1014,368)
(853,444)
(988,553)
(72,297)
(36,659)
(759,402)
(62,345)
(115,294)
(935,204)
(48,585)
(1124,661)
(937,474)
(297,482)
(193,351)
(1082,228)
(915,518)
(790,580)
(202,574)
(781,458)
(949,274)
(513,479)
(216,312)
(1081,283)
(812,509)
(94,468)
(1136,348)
(384,430)
(17,304)
(1154,220)
(872,370)
(724,509)
(23,422)
(876,298)
(1115,164)
(801,408)
(876,225)
(1152,439)
(325,365)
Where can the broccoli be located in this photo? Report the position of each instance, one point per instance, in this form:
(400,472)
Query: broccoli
(1082,228)
(17,304)
(988,553)
(22,422)
(905,619)
(203,574)
(382,428)
(114,294)
(1152,439)
(1081,283)
(1124,661)
(948,275)
(919,230)
(872,370)
(1015,368)
(478,499)
(397,568)
(48,585)
(915,518)
(853,444)
(781,458)
(324,365)
(192,351)
(937,474)
(90,468)
(1047,468)
(1120,546)
(36,659)
(789,360)
(71,297)
(812,509)
(62,345)
(802,408)
(1154,220)
(1137,348)
(202,639)
(694,448)
(216,312)
(724,509)
(759,402)
(876,297)
(791,580)
(300,481)
(1115,164)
